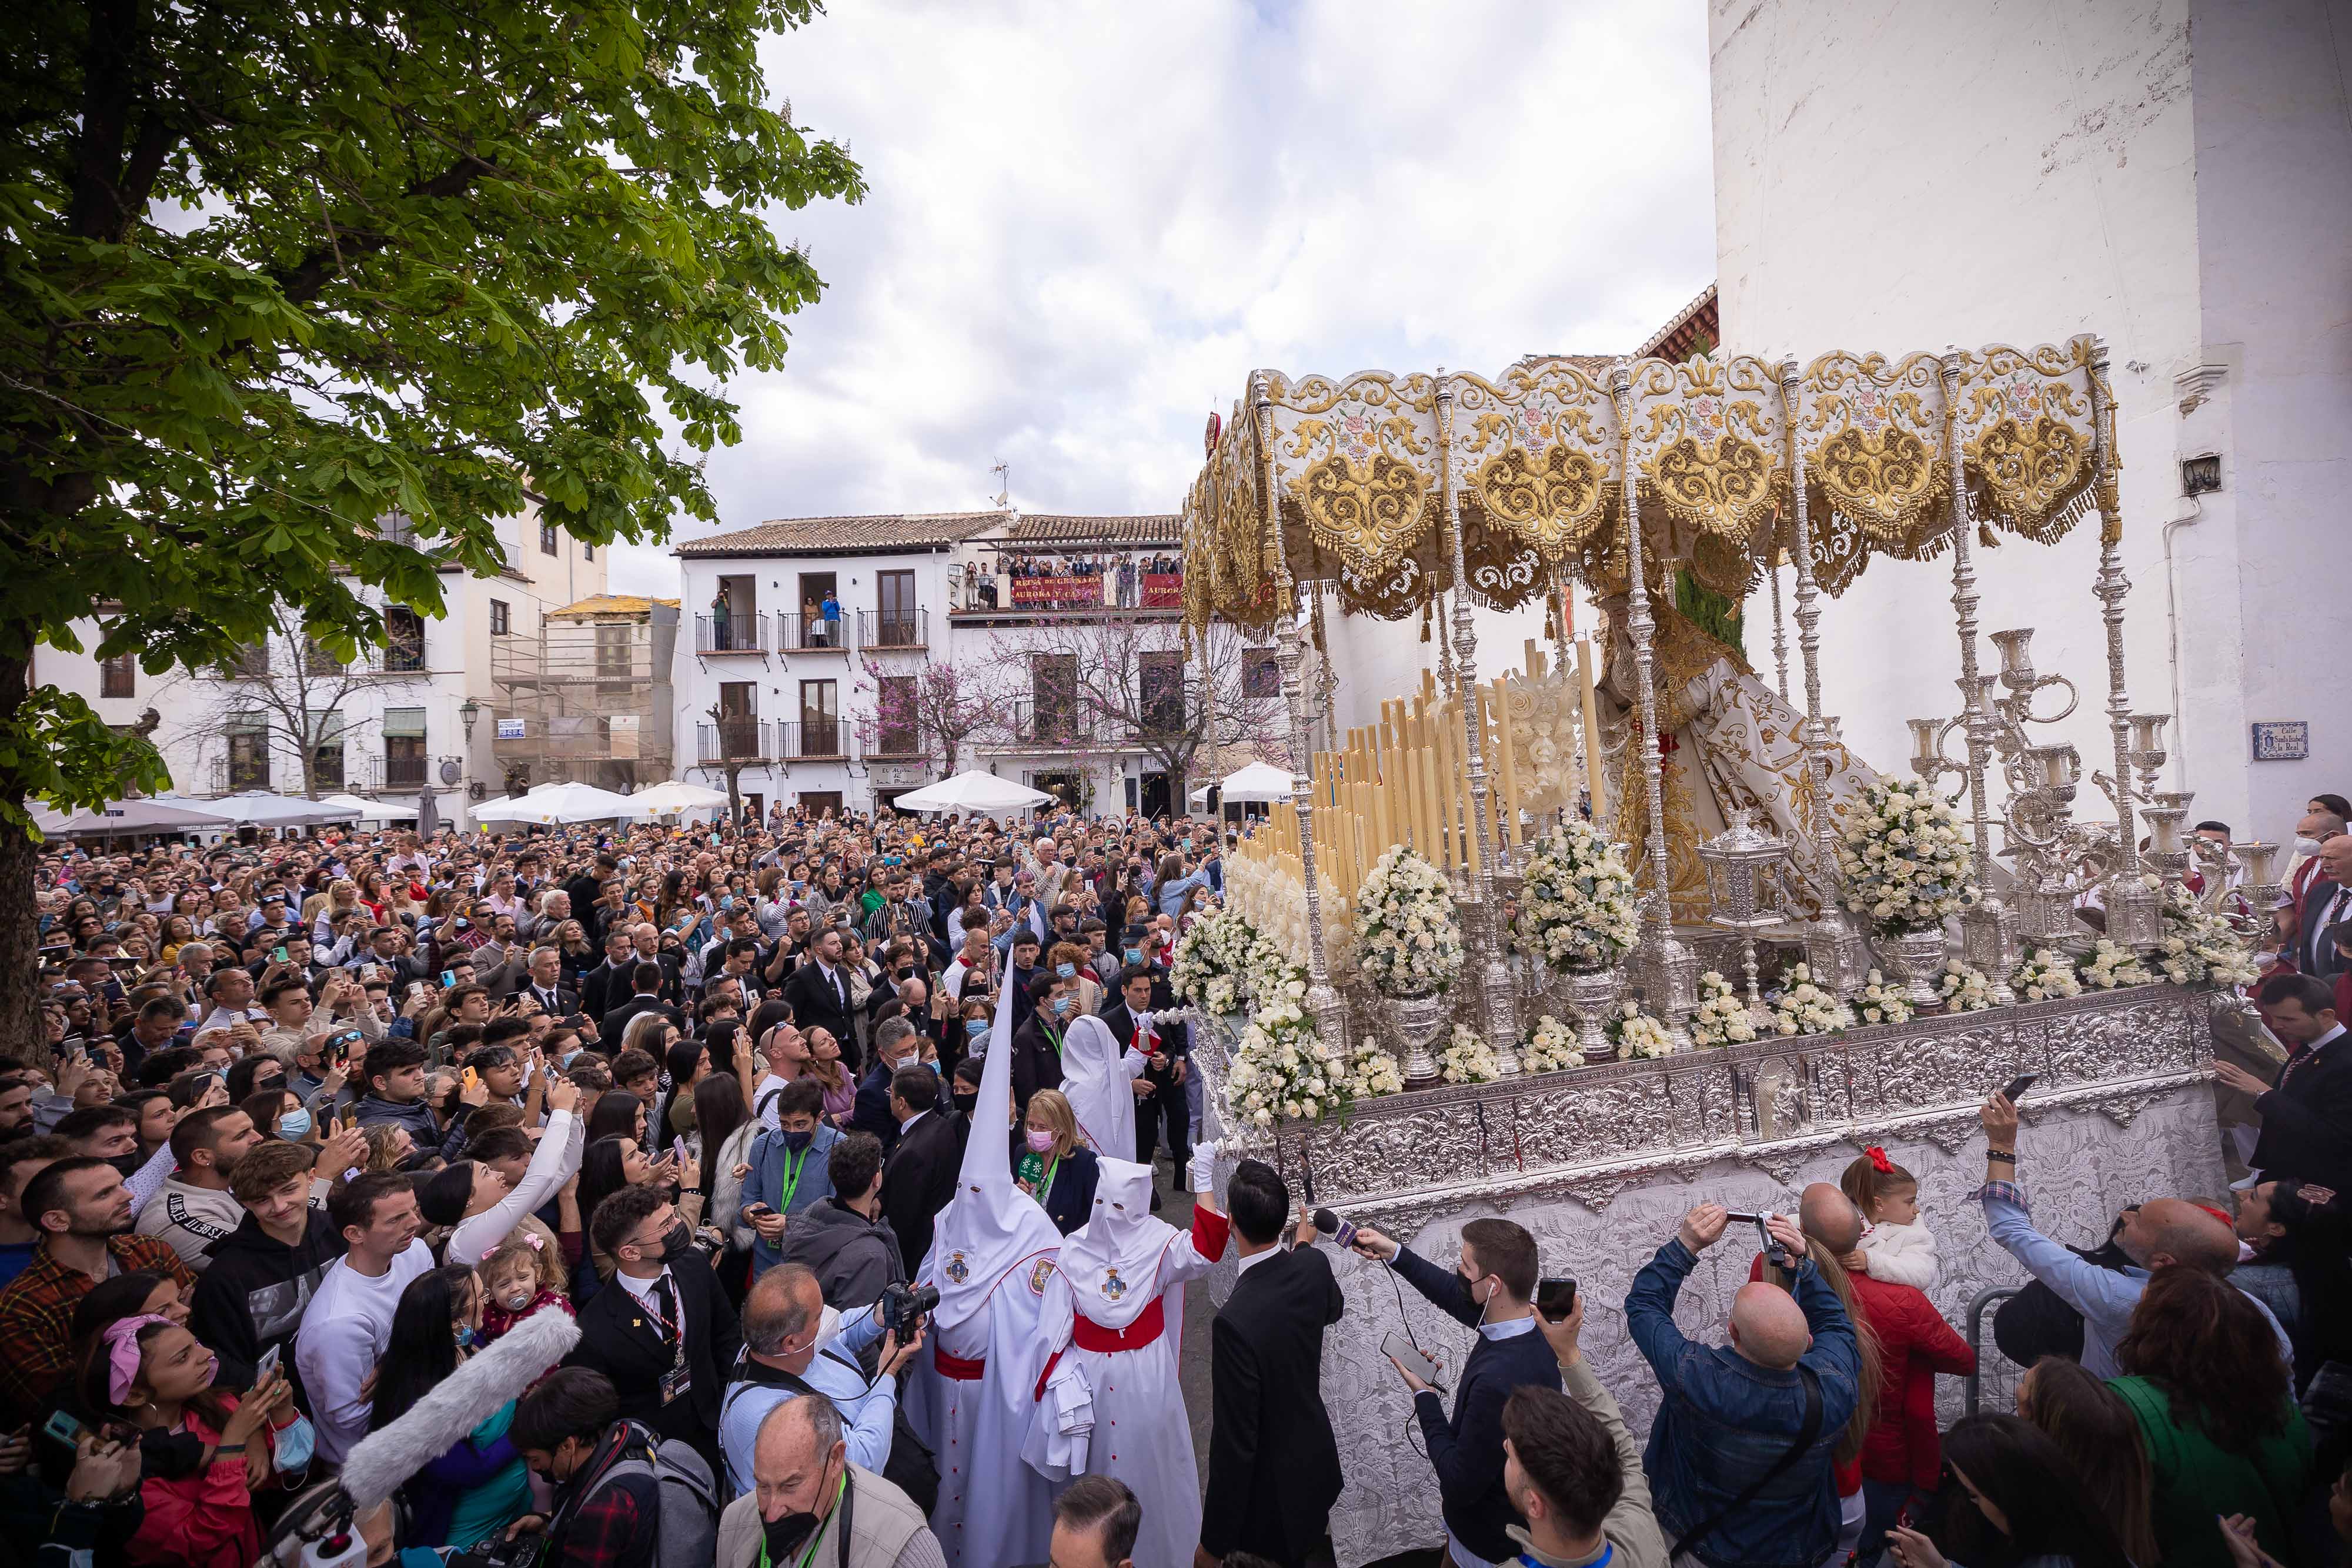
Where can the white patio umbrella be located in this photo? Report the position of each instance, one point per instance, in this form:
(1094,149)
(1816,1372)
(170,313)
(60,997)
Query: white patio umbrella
(126,817)
(976,791)
(366,811)
(674,797)
(1258,781)
(551,803)
(261,809)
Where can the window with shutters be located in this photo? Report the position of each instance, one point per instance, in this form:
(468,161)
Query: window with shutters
(499,622)
(119,676)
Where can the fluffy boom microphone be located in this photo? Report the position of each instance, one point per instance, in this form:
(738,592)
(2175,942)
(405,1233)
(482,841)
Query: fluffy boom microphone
(380,1461)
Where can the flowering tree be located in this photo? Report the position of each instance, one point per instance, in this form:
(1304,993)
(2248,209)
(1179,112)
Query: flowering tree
(930,711)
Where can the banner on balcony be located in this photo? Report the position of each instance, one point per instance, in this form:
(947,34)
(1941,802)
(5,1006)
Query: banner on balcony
(1058,591)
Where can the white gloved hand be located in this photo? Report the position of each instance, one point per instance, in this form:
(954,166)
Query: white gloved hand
(1203,1169)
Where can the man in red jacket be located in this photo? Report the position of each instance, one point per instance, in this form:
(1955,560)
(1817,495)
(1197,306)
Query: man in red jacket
(1902,1453)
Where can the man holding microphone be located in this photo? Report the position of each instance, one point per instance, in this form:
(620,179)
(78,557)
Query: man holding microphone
(1273,1466)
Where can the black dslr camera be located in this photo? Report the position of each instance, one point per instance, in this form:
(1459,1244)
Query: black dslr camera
(904,1307)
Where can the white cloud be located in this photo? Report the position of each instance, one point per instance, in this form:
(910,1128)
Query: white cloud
(1088,223)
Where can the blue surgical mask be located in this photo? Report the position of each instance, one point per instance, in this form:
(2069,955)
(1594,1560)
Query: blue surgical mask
(295,1125)
(1061,1006)
(1067,971)
(465,1336)
(293,1447)
(975,1026)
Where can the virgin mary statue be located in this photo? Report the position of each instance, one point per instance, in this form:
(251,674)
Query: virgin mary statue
(1728,741)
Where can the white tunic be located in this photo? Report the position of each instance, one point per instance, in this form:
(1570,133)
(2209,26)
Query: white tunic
(1098,1073)
(1112,1271)
(991,1256)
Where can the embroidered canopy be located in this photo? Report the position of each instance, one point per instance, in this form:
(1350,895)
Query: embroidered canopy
(1354,471)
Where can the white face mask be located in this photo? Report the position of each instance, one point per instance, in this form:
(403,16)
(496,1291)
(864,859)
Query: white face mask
(2305,846)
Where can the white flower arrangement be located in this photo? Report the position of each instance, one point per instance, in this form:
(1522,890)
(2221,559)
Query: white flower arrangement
(1577,909)
(1964,990)
(1905,858)
(1722,1017)
(1803,1008)
(1549,1047)
(1879,1002)
(1466,1058)
(1372,1072)
(1284,1069)
(2200,947)
(2111,967)
(1212,960)
(1409,943)
(2045,973)
(1636,1033)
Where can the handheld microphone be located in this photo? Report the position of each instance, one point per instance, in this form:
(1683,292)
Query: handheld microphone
(1342,1232)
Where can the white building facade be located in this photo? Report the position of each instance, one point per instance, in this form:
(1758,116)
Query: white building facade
(392,723)
(811,649)
(2173,175)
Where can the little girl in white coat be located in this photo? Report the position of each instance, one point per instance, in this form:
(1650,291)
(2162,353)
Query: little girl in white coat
(1894,1246)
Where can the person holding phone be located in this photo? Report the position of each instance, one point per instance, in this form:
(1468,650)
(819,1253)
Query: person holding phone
(1570,1466)
(1491,1290)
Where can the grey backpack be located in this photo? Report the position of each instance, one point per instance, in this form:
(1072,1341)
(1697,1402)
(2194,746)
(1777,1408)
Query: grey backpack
(686,1530)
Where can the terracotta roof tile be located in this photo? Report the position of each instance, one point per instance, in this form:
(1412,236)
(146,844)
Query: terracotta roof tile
(818,535)
(1154,528)
(614,604)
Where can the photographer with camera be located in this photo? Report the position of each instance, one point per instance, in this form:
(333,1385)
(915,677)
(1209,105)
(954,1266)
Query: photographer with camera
(661,1331)
(782,1360)
(1740,1454)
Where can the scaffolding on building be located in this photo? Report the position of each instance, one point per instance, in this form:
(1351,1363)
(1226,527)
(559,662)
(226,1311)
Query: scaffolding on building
(589,699)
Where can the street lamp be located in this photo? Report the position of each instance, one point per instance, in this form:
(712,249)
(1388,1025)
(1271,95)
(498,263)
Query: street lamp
(467,715)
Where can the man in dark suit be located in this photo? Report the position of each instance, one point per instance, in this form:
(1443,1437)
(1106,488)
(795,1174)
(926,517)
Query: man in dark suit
(661,1328)
(543,983)
(646,980)
(819,990)
(2326,902)
(919,1178)
(1273,1466)
(1164,1106)
(2307,1115)
(608,985)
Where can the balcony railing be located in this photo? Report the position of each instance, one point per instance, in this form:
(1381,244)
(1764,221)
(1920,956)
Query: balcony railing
(1051,724)
(401,657)
(800,631)
(894,628)
(815,740)
(406,772)
(895,744)
(732,740)
(734,634)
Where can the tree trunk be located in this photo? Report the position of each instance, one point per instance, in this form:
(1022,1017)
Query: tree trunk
(20,974)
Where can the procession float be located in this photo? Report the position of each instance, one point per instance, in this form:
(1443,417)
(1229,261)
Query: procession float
(1628,926)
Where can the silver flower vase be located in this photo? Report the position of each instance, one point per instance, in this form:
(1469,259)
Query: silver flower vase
(1413,1022)
(1591,994)
(1916,958)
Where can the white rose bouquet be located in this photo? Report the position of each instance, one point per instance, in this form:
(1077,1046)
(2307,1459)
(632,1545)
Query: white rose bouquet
(1549,1047)
(1466,1058)
(1803,1008)
(2200,947)
(1577,909)
(1636,1033)
(2046,973)
(1879,1002)
(2111,967)
(1964,990)
(1408,942)
(1722,1017)
(1285,1071)
(1209,962)
(1906,859)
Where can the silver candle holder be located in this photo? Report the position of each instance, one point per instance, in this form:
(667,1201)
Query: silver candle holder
(1743,881)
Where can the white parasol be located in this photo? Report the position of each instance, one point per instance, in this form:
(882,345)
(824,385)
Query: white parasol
(974,792)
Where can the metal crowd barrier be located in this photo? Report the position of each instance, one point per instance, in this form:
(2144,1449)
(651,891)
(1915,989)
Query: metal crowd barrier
(1992,1367)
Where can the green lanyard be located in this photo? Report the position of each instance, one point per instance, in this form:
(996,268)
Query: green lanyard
(1053,1034)
(791,1183)
(815,1540)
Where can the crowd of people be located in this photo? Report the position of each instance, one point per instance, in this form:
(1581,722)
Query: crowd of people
(839,1149)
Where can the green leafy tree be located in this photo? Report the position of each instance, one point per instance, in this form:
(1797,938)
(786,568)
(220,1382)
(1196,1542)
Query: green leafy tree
(298,301)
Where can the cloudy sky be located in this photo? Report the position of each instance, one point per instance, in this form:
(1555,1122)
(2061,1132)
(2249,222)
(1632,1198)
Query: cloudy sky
(1088,223)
